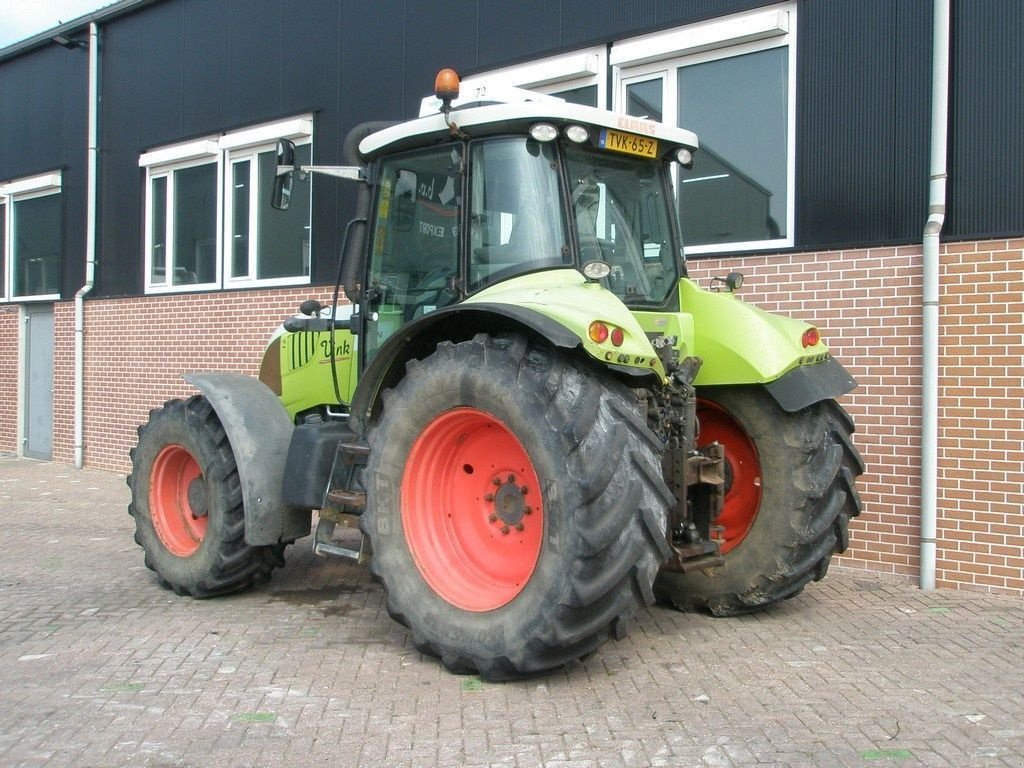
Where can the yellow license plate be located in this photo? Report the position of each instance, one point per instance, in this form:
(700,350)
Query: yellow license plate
(629,143)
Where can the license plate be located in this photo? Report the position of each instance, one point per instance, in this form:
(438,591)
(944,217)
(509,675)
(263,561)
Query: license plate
(629,143)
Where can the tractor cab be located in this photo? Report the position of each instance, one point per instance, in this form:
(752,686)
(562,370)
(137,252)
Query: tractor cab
(483,190)
(503,183)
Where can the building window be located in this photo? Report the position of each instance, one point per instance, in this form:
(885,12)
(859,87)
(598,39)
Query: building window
(31,237)
(183,226)
(579,77)
(264,243)
(209,223)
(731,81)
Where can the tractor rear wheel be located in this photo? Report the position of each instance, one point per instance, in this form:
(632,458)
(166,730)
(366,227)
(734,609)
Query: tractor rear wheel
(187,504)
(788,500)
(515,507)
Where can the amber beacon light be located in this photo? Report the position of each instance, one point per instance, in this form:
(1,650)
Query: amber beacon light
(446,86)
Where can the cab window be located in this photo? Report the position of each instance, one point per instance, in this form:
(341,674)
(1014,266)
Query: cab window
(414,253)
(516,221)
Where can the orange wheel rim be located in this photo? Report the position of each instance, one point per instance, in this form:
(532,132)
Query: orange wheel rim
(177,500)
(743,472)
(472,510)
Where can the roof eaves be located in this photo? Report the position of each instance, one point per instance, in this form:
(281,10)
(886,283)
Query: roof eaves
(119,8)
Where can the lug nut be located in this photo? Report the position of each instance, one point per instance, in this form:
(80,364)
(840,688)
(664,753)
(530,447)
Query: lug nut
(504,530)
(528,511)
(524,490)
(493,518)
(489,497)
(520,526)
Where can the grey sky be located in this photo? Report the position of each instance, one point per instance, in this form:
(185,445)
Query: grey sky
(23,18)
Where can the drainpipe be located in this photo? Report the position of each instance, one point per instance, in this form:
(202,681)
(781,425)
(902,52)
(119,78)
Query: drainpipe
(92,184)
(930,304)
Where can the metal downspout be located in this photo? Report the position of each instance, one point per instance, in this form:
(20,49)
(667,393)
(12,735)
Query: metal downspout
(92,182)
(930,294)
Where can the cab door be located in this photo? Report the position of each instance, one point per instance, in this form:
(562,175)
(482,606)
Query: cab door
(415,241)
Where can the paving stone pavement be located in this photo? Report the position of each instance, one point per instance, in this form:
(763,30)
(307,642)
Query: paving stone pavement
(100,667)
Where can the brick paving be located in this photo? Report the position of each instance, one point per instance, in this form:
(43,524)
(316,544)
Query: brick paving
(99,666)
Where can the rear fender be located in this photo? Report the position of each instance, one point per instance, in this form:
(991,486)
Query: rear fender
(260,431)
(742,344)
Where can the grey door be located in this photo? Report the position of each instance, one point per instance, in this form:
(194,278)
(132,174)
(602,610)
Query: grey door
(39,381)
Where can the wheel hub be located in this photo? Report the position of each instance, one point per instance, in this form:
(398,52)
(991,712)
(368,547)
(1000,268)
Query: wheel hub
(509,504)
(198,500)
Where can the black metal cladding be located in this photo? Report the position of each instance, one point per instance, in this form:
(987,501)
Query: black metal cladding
(43,128)
(986,193)
(178,69)
(863,101)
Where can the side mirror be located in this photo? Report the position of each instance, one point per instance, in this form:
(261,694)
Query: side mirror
(286,168)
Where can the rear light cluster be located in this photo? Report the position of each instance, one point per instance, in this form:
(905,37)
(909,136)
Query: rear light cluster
(601,332)
(811,338)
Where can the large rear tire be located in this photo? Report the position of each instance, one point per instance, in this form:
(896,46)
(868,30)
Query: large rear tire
(515,507)
(789,497)
(187,504)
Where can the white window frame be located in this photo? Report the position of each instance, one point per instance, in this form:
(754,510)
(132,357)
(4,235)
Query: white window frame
(167,171)
(662,54)
(578,69)
(258,196)
(222,151)
(11,192)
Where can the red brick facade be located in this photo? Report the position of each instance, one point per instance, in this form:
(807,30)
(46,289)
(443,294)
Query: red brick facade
(866,302)
(10,335)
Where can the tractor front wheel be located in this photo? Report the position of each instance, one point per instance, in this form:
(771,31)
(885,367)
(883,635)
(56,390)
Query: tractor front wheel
(789,496)
(187,504)
(515,507)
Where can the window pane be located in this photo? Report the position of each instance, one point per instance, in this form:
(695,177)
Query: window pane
(195,225)
(240,218)
(622,218)
(585,95)
(737,189)
(515,219)
(645,99)
(158,230)
(37,242)
(283,244)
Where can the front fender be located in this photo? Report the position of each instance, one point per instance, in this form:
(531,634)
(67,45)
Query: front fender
(558,306)
(259,431)
(567,298)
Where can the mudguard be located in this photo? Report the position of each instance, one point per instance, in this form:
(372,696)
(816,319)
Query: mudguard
(259,431)
(558,305)
(811,384)
(456,323)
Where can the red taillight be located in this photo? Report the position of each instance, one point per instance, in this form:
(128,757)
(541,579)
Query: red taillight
(811,338)
(618,337)
(598,332)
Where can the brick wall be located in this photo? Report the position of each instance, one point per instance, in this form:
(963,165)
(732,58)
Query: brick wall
(9,335)
(136,351)
(981,415)
(867,304)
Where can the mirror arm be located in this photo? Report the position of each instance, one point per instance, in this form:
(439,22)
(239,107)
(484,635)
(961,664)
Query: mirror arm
(351,172)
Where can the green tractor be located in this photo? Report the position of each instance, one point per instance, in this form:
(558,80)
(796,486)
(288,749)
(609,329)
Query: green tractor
(537,421)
